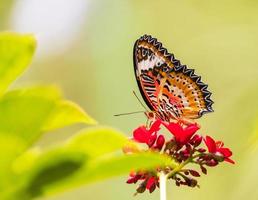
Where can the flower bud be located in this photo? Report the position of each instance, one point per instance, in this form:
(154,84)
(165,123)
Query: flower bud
(185,153)
(212,163)
(201,150)
(194,173)
(152,140)
(196,140)
(193,183)
(130,180)
(133,179)
(204,170)
(177,183)
(142,187)
(186,172)
(160,142)
(151,184)
(219,157)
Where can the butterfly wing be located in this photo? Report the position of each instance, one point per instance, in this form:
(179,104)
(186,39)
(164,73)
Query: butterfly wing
(168,88)
(186,93)
(149,58)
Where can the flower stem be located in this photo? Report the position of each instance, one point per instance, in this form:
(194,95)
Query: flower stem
(179,167)
(162,185)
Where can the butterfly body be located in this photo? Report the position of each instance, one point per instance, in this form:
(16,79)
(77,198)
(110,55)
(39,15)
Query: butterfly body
(171,90)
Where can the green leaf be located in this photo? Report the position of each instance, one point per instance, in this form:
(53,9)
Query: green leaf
(107,167)
(98,141)
(115,165)
(93,142)
(92,155)
(67,113)
(24,111)
(36,169)
(22,114)
(16,52)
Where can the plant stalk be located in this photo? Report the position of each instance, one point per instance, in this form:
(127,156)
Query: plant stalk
(162,185)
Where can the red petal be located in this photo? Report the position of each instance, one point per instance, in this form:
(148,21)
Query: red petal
(225,151)
(210,143)
(155,126)
(150,182)
(174,128)
(181,134)
(141,134)
(152,140)
(187,133)
(191,129)
(229,160)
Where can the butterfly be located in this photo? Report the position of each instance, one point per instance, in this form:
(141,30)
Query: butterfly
(170,89)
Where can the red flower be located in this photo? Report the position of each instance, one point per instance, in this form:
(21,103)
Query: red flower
(182,135)
(160,142)
(196,140)
(182,146)
(149,181)
(151,184)
(133,179)
(142,135)
(218,149)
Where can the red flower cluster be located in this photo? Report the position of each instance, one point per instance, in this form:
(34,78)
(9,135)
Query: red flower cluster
(149,137)
(217,148)
(149,181)
(184,148)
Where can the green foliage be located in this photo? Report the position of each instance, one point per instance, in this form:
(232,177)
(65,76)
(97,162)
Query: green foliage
(93,154)
(16,53)
(67,113)
(28,171)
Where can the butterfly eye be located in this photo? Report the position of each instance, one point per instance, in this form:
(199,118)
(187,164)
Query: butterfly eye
(158,64)
(165,69)
(144,52)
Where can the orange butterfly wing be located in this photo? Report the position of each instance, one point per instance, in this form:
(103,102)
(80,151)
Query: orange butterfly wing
(168,88)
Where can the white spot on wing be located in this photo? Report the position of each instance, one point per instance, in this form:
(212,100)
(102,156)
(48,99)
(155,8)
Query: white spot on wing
(149,63)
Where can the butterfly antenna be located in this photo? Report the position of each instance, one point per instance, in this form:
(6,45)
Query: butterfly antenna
(129,113)
(140,101)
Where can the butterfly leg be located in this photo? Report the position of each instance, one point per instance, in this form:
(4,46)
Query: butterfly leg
(150,118)
(187,122)
(147,123)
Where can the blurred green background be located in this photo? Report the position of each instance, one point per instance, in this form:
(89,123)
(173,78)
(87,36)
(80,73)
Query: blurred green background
(85,47)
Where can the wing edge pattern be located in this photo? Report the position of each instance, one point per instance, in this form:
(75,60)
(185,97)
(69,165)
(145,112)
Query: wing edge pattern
(178,67)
